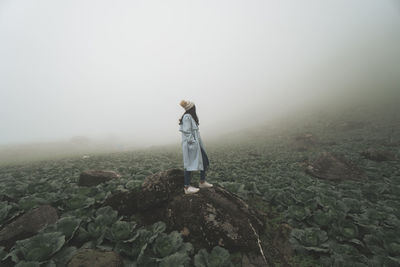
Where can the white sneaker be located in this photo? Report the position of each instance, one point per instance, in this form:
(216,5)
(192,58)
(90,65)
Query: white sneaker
(205,185)
(191,190)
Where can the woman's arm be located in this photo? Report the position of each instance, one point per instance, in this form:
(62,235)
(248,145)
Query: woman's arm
(187,129)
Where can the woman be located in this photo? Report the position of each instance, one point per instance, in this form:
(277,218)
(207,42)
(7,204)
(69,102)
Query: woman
(194,155)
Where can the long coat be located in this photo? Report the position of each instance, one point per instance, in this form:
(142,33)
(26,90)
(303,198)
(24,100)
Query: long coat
(192,145)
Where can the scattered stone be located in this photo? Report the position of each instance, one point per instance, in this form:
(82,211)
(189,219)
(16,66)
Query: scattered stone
(250,260)
(27,225)
(209,218)
(96,257)
(304,142)
(350,125)
(95,177)
(185,231)
(378,155)
(253,154)
(6,198)
(391,143)
(330,143)
(333,166)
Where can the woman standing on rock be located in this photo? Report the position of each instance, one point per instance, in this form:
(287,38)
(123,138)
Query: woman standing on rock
(194,155)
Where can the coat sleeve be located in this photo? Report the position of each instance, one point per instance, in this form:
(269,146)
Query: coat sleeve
(187,129)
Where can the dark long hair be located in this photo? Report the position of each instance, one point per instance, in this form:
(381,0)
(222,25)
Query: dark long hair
(191,111)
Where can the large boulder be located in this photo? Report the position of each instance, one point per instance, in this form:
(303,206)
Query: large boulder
(95,257)
(378,155)
(27,225)
(212,217)
(334,166)
(95,177)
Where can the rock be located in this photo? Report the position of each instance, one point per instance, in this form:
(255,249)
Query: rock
(350,125)
(333,166)
(95,177)
(304,142)
(330,143)
(27,225)
(215,217)
(390,143)
(209,218)
(6,198)
(253,154)
(95,257)
(250,260)
(378,155)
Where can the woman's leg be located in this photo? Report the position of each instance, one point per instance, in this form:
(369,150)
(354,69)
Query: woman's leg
(205,165)
(187,178)
(202,176)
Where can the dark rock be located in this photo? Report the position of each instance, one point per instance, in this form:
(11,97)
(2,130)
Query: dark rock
(95,177)
(253,154)
(350,125)
(96,257)
(301,148)
(6,198)
(251,260)
(304,142)
(215,217)
(330,143)
(390,143)
(27,225)
(378,155)
(209,218)
(333,166)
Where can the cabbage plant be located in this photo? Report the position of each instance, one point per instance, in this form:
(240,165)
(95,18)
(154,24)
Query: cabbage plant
(39,248)
(219,257)
(67,225)
(311,239)
(120,231)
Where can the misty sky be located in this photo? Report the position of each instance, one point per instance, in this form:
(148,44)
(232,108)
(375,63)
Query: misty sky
(120,68)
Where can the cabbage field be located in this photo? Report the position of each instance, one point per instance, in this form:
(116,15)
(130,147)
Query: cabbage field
(333,223)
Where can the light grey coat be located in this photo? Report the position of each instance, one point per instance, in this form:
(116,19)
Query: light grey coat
(191,143)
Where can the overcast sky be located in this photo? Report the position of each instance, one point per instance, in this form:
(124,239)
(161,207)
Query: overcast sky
(120,68)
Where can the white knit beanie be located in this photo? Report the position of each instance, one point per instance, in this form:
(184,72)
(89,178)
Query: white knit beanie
(187,104)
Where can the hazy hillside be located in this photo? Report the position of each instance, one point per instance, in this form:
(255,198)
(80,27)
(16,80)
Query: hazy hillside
(332,223)
(381,115)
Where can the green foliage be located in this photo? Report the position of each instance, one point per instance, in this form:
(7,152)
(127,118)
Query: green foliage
(79,202)
(219,257)
(3,253)
(311,239)
(62,257)
(67,225)
(4,210)
(39,247)
(167,244)
(105,216)
(28,264)
(120,230)
(353,223)
(171,250)
(299,213)
(137,246)
(176,259)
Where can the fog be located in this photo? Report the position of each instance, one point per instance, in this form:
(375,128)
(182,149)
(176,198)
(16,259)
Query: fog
(117,70)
